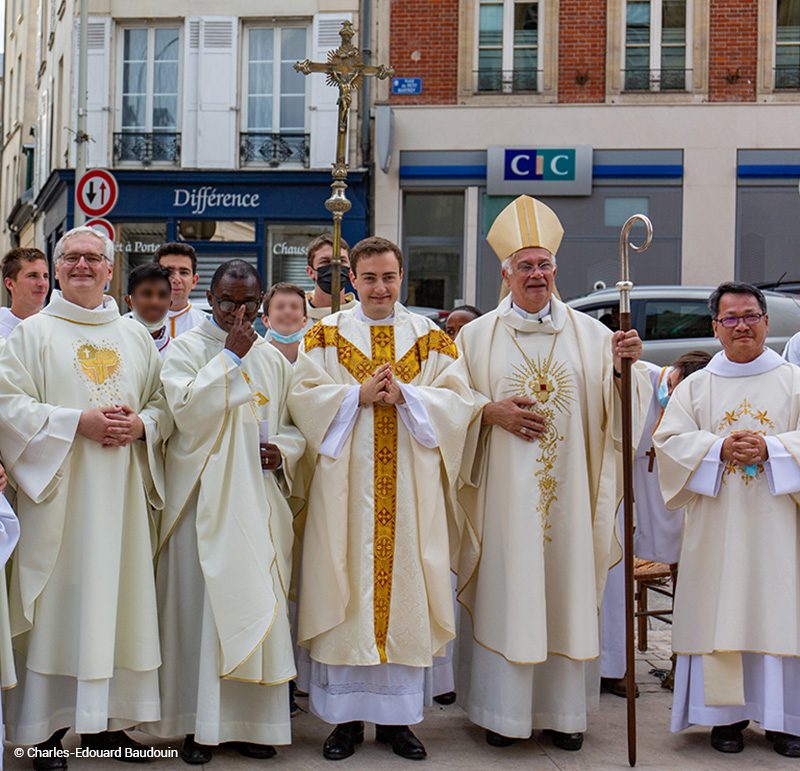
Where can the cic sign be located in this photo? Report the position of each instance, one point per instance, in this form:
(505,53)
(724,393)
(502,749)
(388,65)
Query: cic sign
(539,170)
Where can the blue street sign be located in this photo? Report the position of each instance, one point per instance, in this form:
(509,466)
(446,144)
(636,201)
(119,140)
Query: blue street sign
(406,86)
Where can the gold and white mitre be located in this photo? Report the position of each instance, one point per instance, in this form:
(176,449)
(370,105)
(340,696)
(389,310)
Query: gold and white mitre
(525,223)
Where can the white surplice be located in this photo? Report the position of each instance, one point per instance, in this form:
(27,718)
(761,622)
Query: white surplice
(185,319)
(738,590)
(8,322)
(9,535)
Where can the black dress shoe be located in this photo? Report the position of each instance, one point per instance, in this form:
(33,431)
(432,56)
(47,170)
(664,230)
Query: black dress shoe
(787,745)
(402,740)
(495,739)
(618,686)
(446,699)
(728,738)
(341,742)
(130,751)
(571,742)
(195,754)
(48,752)
(252,750)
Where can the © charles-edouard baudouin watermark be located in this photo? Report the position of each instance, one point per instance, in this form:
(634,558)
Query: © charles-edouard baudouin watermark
(118,753)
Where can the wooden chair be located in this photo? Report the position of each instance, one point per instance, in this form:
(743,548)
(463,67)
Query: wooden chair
(650,577)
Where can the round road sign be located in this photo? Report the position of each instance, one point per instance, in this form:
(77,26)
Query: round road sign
(104,226)
(97,193)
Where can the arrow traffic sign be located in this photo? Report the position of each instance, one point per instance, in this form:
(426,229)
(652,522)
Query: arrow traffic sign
(97,192)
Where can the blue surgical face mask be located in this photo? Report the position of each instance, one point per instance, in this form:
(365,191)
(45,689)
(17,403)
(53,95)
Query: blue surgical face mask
(663,393)
(295,337)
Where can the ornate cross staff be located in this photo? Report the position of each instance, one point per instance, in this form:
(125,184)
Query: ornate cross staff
(345,69)
(625,285)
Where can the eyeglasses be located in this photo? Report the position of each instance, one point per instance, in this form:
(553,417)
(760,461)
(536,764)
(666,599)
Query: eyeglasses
(229,306)
(90,258)
(731,322)
(526,269)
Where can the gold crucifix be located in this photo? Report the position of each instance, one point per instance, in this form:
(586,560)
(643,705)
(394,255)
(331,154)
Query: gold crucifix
(345,69)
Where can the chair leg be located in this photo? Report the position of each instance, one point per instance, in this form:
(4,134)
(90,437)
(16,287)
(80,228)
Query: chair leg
(641,607)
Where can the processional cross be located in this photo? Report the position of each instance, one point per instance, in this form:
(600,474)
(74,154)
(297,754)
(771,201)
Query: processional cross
(345,69)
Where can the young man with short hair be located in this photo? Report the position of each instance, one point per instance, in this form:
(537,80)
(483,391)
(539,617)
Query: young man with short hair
(320,257)
(385,423)
(26,278)
(181,262)
(148,298)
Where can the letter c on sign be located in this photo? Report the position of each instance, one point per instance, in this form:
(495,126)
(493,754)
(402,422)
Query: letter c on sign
(515,167)
(554,165)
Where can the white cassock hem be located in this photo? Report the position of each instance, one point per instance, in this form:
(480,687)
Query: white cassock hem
(40,705)
(386,694)
(771,694)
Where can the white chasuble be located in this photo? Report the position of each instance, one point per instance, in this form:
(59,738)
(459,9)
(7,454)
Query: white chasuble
(239,516)
(739,581)
(375,575)
(537,540)
(82,592)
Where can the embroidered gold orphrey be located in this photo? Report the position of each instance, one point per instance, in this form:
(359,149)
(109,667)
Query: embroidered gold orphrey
(731,417)
(382,350)
(549,384)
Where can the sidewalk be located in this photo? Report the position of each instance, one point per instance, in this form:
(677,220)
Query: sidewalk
(454,743)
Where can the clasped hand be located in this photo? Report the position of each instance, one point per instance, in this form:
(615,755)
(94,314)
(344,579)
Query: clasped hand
(745,448)
(381,388)
(114,426)
(516,415)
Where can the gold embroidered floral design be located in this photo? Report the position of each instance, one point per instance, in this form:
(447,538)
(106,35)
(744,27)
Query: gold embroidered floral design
(730,419)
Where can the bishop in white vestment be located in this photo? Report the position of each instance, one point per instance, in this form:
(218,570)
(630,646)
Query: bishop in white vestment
(84,420)
(729,453)
(385,424)
(540,493)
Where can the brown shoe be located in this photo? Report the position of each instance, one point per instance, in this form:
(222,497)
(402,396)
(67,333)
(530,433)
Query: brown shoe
(617,686)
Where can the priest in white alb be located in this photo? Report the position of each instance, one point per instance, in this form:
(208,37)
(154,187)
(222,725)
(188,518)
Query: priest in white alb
(84,420)
(385,422)
(540,492)
(729,453)
(225,546)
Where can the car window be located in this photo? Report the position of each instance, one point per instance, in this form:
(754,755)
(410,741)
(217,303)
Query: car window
(677,319)
(607,313)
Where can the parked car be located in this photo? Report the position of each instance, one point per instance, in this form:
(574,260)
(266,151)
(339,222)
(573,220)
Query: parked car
(672,320)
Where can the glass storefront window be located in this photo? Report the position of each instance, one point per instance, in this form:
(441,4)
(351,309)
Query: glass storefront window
(434,243)
(287,253)
(136,244)
(227,231)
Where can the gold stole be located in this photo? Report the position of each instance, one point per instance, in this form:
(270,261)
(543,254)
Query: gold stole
(382,351)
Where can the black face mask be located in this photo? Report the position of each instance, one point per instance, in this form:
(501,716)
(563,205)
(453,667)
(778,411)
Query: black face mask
(325,277)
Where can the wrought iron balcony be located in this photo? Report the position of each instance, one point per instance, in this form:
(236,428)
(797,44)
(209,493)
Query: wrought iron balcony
(258,148)
(147,147)
(491,81)
(638,79)
(787,77)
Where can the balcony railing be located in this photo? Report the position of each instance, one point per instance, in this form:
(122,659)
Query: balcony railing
(506,81)
(656,80)
(787,77)
(147,147)
(258,148)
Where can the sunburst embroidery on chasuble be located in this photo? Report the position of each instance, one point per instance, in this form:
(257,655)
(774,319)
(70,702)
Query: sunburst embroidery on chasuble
(550,384)
(745,413)
(99,365)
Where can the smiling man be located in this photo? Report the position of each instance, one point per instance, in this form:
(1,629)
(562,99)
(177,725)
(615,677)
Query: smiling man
(728,449)
(85,421)
(541,491)
(225,546)
(181,262)
(27,279)
(385,423)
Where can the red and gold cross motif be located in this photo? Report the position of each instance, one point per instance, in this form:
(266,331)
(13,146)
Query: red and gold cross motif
(361,367)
